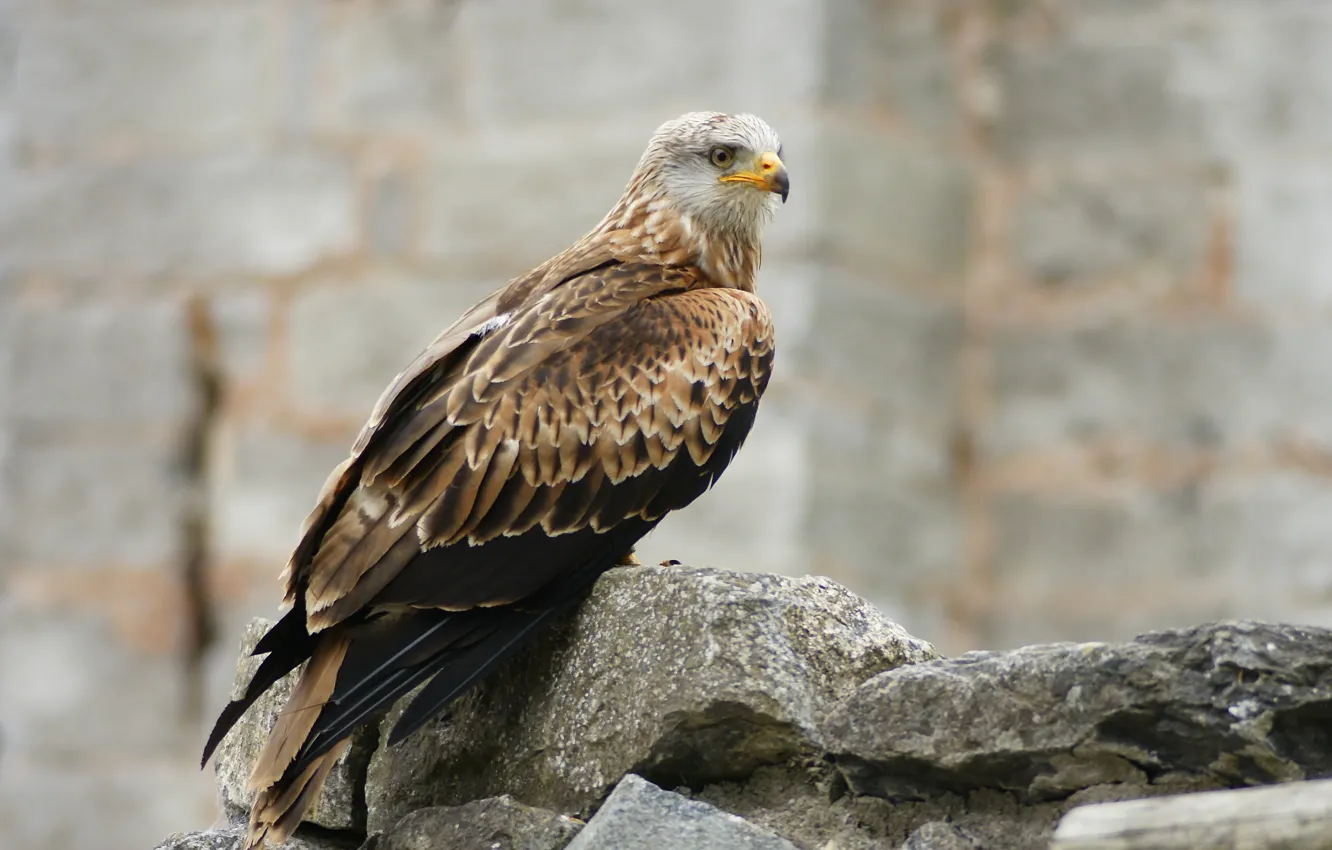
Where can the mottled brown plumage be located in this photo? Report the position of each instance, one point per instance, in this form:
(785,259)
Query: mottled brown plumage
(524,453)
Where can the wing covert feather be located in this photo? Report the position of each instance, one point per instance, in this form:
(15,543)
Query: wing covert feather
(606,402)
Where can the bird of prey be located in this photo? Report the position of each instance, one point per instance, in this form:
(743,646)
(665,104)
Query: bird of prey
(523,454)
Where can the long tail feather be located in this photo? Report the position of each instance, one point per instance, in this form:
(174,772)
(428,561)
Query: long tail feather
(375,701)
(358,670)
(455,678)
(287,645)
(277,810)
(298,717)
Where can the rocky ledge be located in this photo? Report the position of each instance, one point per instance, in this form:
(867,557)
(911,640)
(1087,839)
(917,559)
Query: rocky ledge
(708,709)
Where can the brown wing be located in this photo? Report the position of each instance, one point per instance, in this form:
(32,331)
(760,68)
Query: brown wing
(514,470)
(431,368)
(562,419)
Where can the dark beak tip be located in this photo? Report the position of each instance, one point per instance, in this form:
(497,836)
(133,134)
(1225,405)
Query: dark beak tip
(783,186)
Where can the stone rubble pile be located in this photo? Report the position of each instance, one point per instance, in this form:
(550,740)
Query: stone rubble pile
(696,708)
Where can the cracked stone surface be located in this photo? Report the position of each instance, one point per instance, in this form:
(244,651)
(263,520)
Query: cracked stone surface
(1227,703)
(497,823)
(233,838)
(683,675)
(640,816)
(940,835)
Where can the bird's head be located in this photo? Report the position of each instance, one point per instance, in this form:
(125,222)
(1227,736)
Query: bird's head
(724,172)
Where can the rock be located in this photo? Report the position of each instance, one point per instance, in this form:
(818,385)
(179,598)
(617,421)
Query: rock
(337,806)
(640,816)
(1293,816)
(796,804)
(939,835)
(499,823)
(683,675)
(1229,704)
(233,838)
(794,801)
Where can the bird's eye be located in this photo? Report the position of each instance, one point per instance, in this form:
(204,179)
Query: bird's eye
(721,156)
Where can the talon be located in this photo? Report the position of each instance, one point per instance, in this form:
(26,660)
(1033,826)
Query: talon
(671,563)
(629,560)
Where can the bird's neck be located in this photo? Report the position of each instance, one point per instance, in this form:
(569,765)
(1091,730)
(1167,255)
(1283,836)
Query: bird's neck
(646,227)
(732,260)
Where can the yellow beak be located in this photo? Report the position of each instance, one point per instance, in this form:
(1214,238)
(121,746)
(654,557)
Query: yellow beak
(767,173)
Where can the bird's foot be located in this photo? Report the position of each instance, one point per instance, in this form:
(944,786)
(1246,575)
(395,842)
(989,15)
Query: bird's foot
(629,560)
(671,562)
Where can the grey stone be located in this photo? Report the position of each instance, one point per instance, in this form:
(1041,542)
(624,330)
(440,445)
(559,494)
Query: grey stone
(1238,78)
(898,206)
(497,823)
(213,839)
(97,78)
(393,214)
(790,288)
(778,72)
(7,494)
(46,797)
(338,805)
(1233,703)
(390,68)
(349,339)
(682,674)
(103,364)
(236,213)
(496,206)
(1258,76)
(640,816)
(9,37)
(1117,224)
(1291,92)
(893,58)
(1283,256)
(812,811)
(1085,567)
(8,46)
(1204,383)
(884,492)
(59,486)
(1052,93)
(70,684)
(233,838)
(242,322)
(797,803)
(6,430)
(684,55)
(262,486)
(884,348)
(939,835)
(880,408)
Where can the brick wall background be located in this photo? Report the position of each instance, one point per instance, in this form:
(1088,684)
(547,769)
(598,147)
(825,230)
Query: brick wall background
(1053,294)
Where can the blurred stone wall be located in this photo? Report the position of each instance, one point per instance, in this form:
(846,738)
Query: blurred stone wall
(1053,295)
